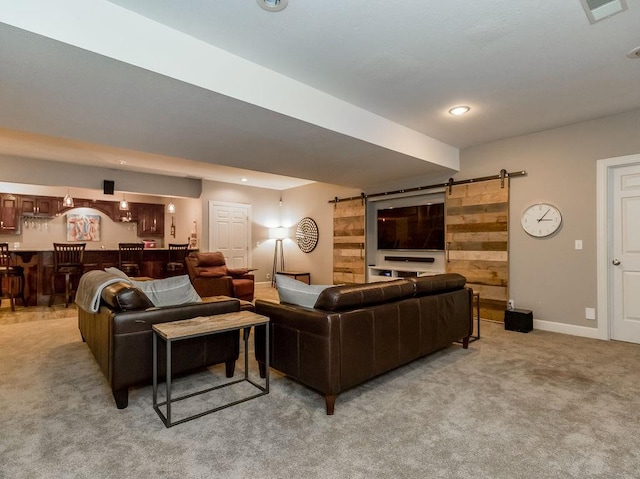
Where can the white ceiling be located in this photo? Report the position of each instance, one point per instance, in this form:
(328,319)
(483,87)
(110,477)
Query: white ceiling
(521,66)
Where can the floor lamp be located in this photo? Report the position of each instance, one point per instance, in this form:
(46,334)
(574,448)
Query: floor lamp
(278,234)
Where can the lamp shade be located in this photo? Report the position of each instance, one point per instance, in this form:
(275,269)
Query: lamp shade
(279,233)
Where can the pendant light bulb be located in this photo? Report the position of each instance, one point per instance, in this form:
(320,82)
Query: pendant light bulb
(124,205)
(67,201)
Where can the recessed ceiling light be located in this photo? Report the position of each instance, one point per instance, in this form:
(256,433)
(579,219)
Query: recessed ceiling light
(273,5)
(244,180)
(459,110)
(122,162)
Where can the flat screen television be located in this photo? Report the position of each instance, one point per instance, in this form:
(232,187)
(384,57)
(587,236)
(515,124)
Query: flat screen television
(412,227)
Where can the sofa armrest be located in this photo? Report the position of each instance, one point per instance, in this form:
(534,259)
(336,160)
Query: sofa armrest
(221,286)
(137,321)
(309,320)
(243,273)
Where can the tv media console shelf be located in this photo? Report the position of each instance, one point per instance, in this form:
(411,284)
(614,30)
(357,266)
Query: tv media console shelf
(388,273)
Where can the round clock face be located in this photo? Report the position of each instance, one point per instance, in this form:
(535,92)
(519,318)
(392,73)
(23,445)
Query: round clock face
(541,220)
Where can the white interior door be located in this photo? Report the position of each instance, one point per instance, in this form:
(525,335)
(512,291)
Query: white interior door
(230,232)
(625,255)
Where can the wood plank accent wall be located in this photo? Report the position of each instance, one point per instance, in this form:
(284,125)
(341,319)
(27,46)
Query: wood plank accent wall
(477,236)
(348,242)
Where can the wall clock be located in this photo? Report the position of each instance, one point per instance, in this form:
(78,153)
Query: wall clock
(541,220)
(307,235)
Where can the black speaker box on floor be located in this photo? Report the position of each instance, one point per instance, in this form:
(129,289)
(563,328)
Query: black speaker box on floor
(108,186)
(520,320)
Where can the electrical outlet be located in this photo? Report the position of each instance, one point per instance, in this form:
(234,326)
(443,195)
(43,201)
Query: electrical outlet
(578,244)
(511,304)
(590,313)
(268,276)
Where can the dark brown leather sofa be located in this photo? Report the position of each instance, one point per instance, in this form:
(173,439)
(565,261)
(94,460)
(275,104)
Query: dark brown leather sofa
(120,337)
(356,332)
(210,277)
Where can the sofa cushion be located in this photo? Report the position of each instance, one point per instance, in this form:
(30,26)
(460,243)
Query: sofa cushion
(206,260)
(238,271)
(439,283)
(351,296)
(296,292)
(211,272)
(169,291)
(122,296)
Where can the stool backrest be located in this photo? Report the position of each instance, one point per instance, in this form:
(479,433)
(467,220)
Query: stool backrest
(65,254)
(130,253)
(5,256)
(178,252)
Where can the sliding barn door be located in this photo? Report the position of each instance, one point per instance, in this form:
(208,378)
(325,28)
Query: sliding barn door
(477,237)
(348,242)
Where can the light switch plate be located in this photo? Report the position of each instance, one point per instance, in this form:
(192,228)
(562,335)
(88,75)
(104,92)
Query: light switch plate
(578,244)
(590,313)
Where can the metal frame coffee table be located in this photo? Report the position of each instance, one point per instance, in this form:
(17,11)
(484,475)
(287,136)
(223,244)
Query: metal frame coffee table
(203,326)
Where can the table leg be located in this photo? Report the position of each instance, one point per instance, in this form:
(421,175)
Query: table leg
(478,313)
(266,361)
(155,370)
(168,382)
(246,333)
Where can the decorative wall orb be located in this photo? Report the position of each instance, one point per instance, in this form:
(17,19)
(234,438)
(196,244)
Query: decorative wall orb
(307,235)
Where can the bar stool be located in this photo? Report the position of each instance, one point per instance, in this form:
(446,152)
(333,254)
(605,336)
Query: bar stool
(67,262)
(177,254)
(130,258)
(10,272)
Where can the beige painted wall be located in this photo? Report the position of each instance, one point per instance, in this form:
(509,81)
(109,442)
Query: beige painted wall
(549,276)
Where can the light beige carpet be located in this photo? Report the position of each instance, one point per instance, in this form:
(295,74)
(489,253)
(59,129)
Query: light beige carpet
(537,405)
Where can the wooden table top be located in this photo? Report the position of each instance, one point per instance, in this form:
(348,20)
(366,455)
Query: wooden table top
(203,325)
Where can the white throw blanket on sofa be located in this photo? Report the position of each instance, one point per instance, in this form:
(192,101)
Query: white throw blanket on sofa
(90,288)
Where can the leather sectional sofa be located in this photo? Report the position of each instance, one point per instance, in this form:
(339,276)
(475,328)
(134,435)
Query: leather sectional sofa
(356,332)
(120,337)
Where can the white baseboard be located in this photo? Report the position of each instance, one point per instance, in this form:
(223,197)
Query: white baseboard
(571,329)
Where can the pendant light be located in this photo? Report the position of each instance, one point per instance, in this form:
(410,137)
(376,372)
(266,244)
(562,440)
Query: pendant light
(67,201)
(124,206)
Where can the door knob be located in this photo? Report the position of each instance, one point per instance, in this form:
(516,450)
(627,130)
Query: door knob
(615,262)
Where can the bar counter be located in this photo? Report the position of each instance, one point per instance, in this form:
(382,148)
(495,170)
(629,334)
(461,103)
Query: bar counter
(38,265)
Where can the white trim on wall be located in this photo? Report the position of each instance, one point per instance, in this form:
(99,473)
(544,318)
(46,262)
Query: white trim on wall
(563,328)
(604,220)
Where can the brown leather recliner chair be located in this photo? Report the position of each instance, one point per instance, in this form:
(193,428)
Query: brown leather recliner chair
(211,277)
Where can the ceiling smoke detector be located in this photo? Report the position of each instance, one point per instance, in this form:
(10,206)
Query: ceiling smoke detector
(635,53)
(273,5)
(597,10)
